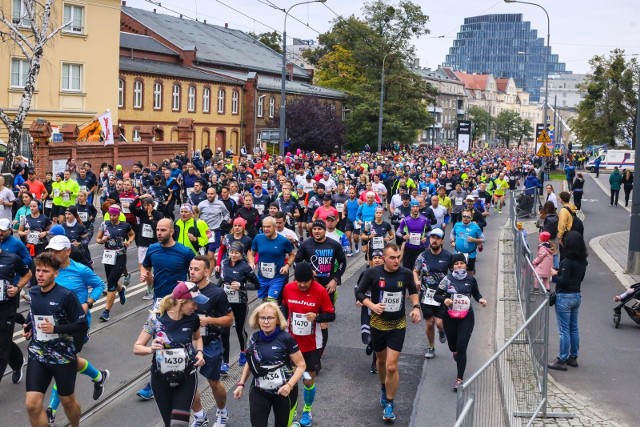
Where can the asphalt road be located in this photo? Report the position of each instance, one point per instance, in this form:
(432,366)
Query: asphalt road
(608,357)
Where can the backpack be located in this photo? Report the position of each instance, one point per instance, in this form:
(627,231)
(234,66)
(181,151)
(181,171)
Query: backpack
(577,224)
(572,173)
(551,225)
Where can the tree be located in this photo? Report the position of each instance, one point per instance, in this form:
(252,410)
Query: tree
(272,39)
(29,37)
(481,120)
(525,130)
(509,126)
(350,58)
(312,125)
(607,112)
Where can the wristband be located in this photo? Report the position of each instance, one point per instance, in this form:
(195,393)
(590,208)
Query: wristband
(89,304)
(240,385)
(416,306)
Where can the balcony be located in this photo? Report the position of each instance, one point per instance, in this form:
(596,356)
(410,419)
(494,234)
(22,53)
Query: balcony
(433,109)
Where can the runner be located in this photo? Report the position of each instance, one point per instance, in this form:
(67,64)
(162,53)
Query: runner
(116,236)
(465,238)
(276,257)
(455,291)
(192,232)
(351,208)
(501,185)
(414,230)
(272,355)
(430,268)
(35,229)
(148,217)
(387,284)
(176,346)
(366,215)
(238,234)
(55,319)
(305,305)
(214,212)
(329,264)
(380,233)
(214,315)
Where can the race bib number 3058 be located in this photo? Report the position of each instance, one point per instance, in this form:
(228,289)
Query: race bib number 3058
(392,301)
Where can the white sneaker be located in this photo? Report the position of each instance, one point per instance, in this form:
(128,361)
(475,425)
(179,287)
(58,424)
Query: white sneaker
(148,295)
(357,251)
(221,417)
(25,295)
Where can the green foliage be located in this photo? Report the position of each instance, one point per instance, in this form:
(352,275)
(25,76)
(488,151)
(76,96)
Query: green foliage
(510,126)
(350,58)
(481,120)
(272,39)
(607,112)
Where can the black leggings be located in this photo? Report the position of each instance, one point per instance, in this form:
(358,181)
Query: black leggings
(261,403)
(614,196)
(458,333)
(239,315)
(10,353)
(409,257)
(627,193)
(577,199)
(174,403)
(114,272)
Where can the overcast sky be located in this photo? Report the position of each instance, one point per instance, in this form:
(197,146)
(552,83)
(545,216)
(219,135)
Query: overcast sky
(580,29)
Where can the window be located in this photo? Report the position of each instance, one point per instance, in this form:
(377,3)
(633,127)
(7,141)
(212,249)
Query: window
(136,135)
(137,94)
(272,107)
(157,96)
(19,72)
(221,101)
(20,13)
(206,100)
(175,96)
(235,98)
(71,77)
(75,16)
(191,99)
(120,93)
(260,111)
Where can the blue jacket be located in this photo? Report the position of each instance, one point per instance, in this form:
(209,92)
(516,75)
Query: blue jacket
(79,279)
(531,182)
(17,247)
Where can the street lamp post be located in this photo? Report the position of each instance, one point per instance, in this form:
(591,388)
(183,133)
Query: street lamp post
(380,118)
(546,69)
(283,93)
(633,259)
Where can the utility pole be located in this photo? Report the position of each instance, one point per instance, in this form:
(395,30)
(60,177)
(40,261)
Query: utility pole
(633,257)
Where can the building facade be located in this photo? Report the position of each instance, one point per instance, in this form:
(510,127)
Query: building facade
(504,45)
(563,90)
(79,72)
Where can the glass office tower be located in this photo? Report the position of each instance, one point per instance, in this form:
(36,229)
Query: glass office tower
(504,45)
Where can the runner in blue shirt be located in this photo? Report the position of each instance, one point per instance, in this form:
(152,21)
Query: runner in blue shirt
(465,237)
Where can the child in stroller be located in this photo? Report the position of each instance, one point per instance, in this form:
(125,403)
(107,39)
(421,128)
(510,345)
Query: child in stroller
(633,311)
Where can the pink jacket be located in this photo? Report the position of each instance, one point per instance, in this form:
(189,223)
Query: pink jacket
(544,261)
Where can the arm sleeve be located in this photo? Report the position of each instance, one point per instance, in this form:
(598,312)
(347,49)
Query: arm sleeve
(95,283)
(77,318)
(411,283)
(441,291)
(363,286)
(341,260)
(475,291)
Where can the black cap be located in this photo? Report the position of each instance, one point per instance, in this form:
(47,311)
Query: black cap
(319,223)
(72,210)
(327,196)
(321,185)
(405,196)
(377,252)
(303,272)
(457,258)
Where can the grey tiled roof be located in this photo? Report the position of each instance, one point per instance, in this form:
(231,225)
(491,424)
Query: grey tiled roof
(272,84)
(215,45)
(144,43)
(172,70)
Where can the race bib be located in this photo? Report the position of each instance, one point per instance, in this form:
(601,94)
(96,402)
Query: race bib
(339,207)
(126,210)
(83,188)
(268,270)
(109,256)
(300,325)
(232,295)
(272,381)
(377,243)
(189,191)
(3,290)
(427,298)
(33,238)
(260,209)
(367,226)
(414,238)
(41,336)
(147,231)
(459,201)
(171,360)
(56,192)
(84,216)
(66,197)
(461,303)
(48,204)
(392,301)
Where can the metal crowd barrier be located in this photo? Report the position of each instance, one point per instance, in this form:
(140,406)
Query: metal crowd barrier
(510,389)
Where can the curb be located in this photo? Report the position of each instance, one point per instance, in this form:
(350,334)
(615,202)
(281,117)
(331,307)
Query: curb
(607,191)
(608,260)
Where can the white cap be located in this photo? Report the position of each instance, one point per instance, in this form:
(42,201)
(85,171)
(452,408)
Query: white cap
(58,243)
(5,224)
(437,232)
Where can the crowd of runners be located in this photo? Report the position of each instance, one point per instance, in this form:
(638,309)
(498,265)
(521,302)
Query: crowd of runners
(208,229)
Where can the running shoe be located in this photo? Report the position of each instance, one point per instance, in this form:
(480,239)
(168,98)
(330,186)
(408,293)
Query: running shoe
(16,377)
(306,420)
(85,339)
(224,369)
(221,417)
(368,349)
(122,294)
(98,386)
(105,316)
(295,424)
(357,251)
(51,417)
(387,415)
(242,359)
(431,353)
(200,422)
(126,278)
(25,295)
(148,295)
(146,393)
(457,383)
(383,398)
(442,336)
(349,255)
(374,368)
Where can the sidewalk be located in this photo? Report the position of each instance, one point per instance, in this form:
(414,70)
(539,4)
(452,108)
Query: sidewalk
(560,399)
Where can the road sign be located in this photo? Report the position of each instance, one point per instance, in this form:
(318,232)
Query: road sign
(543,151)
(543,137)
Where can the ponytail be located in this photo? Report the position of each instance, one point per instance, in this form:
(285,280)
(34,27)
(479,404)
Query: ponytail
(165,304)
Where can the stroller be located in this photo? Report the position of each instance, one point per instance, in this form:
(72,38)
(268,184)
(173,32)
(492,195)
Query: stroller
(633,311)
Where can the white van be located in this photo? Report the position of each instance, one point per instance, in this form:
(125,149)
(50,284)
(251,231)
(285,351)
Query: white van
(623,159)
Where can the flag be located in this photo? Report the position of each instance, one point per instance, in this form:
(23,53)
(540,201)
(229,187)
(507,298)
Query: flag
(106,125)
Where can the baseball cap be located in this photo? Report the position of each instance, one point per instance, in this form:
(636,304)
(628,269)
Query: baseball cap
(58,243)
(437,232)
(5,224)
(56,230)
(414,203)
(470,197)
(331,216)
(319,223)
(376,253)
(188,290)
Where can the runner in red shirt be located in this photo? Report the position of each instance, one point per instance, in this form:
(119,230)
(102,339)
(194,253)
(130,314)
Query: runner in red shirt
(306,304)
